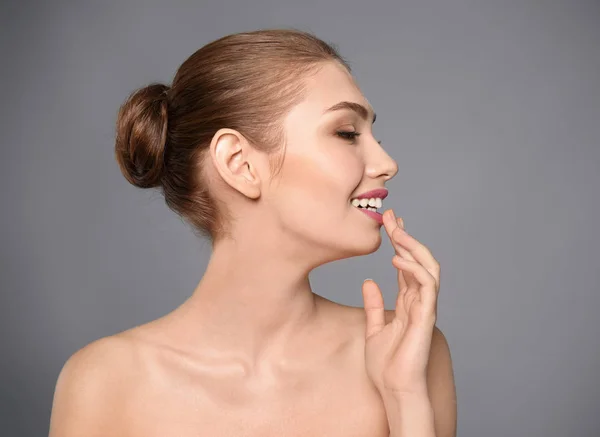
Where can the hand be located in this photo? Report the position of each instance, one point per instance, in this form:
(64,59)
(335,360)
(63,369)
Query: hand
(397,353)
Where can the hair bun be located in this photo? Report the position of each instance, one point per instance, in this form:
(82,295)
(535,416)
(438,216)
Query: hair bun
(141,135)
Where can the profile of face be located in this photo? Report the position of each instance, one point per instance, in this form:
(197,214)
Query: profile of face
(331,157)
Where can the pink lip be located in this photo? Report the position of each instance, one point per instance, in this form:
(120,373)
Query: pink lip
(379,192)
(375,215)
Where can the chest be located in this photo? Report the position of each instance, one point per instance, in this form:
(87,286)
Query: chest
(339,405)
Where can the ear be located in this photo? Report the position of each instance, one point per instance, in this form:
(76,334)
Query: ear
(231,154)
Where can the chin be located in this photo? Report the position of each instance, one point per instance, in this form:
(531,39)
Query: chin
(367,244)
(372,243)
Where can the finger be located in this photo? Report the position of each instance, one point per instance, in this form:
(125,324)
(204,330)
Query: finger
(390,222)
(418,251)
(402,282)
(405,279)
(402,275)
(428,289)
(427,292)
(403,288)
(374,307)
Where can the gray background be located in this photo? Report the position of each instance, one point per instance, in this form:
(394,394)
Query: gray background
(491,109)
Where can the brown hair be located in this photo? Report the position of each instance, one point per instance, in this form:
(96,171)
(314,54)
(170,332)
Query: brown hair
(245,81)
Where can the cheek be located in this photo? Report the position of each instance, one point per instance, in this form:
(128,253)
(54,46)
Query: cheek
(318,183)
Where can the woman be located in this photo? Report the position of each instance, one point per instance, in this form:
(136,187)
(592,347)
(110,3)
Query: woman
(264,144)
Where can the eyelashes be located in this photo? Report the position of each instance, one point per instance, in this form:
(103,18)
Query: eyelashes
(350,135)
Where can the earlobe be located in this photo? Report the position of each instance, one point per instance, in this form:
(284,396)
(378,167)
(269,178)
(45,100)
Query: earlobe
(230,152)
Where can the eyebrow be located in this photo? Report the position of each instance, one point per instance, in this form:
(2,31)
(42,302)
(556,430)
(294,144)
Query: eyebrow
(353,106)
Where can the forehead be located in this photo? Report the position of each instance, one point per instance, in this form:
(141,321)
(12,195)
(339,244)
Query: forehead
(330,85)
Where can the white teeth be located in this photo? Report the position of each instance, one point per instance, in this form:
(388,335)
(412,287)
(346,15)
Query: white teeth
(371,204)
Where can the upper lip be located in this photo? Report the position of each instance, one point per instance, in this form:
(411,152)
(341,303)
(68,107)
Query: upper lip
(376,193)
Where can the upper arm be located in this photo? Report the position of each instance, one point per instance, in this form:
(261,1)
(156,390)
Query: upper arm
(440,383)
(84,396)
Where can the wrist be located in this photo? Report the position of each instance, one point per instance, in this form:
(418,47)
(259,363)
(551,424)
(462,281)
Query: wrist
(416,391)
(395,400)
(409,413)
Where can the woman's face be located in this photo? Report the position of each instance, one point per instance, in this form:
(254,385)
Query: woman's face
(325,168)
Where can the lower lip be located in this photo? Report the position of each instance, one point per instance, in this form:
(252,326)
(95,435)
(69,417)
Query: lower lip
(374,215)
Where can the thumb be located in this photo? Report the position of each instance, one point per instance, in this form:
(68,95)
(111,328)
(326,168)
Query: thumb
(374,307)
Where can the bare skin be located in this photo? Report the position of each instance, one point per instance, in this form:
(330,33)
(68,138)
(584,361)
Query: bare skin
(321,388)
(150,383)
(254,351)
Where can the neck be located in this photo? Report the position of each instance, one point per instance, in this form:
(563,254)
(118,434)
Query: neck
(252,301)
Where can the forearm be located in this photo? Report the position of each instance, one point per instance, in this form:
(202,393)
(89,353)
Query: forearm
(410,415)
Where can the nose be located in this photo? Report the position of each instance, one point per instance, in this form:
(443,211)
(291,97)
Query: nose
(380,164)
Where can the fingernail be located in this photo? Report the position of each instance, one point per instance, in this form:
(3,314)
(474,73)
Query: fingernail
(368,279)
(401,222)
(393,215)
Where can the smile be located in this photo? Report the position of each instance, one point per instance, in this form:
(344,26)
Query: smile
(370,211)
(369,202)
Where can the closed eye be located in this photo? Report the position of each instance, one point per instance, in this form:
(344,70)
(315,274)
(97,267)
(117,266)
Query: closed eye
(348,135)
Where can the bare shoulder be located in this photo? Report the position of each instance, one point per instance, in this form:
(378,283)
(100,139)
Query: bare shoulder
(89,386)
(101,361)
(351,319)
